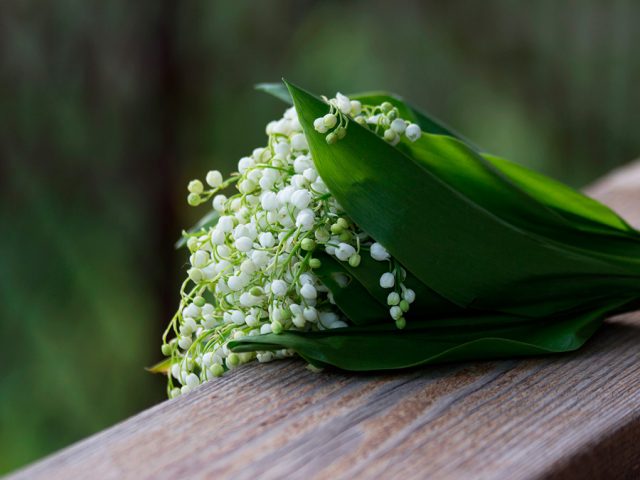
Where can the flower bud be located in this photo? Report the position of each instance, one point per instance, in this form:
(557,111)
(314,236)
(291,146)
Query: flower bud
(389,135)
(413,132)
(387,280)
(393,299)
(276,327)
(307,244)
(329,120)
(399,126)
(232,360)
(256,291)
(193,199)
(214,178)
(409,295)
(404,305)
(354,260)
(195,186)
(336,229)
(318,125)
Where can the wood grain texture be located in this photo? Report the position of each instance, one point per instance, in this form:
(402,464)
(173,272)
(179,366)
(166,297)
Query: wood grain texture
(567,416)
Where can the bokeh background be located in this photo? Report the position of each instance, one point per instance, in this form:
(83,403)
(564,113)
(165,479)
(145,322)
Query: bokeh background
(107,109)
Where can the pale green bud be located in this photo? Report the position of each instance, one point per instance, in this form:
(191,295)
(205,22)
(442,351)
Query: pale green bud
(276,327)
(404,306)
(233,360)
(336,229)
(256,291)
(307,244)
(389,135)
(329,120)
(166,349)
(322,235)
(393,298)
(199,301)
(193,199)
(354,260)
(195,186)
(192,244)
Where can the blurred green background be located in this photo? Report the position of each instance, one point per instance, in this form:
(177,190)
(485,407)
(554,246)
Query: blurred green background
(108,108)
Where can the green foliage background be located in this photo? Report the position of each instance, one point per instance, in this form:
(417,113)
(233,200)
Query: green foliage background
(108,108)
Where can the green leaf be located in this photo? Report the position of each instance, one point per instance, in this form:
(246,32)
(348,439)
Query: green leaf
(381,347)
(568,202)
(209,220)
(278,90)
(528,210)
(162,366)
(452,244)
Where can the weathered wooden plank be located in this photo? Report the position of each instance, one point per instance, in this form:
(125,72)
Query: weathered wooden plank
(574,415)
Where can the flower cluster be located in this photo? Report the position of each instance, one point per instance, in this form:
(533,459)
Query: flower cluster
(384,119)
(253,272)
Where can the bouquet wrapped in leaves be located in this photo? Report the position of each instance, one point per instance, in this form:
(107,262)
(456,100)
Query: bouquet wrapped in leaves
(366,235)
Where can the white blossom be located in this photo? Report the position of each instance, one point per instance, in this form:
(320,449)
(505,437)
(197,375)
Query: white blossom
(214,178)
(413,132)
(378,252)
(387,280)
(278,288)
(308,291)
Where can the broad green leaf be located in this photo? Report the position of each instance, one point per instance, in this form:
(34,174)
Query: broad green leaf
(572,205)
(381,347)
(209,220)
(459,249)
(563,199)
(473,176)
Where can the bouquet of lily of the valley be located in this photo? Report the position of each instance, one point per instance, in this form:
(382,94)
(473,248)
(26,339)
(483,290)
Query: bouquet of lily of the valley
(366,235)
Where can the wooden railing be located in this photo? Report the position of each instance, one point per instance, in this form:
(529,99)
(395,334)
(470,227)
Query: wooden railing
(564,416)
